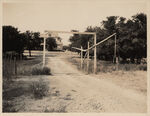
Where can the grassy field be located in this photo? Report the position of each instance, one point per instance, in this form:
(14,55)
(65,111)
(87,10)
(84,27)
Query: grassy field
(23,67)
(22,82)
(105,66)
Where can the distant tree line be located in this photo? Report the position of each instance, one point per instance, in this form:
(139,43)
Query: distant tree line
(15,42)
(131,38)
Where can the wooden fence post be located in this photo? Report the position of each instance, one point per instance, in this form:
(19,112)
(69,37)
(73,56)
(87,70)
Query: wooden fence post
(81,57)
(15,65)
(20,56)
(95,57)
(117,63)
(88,59)
(44,51)
(115,48)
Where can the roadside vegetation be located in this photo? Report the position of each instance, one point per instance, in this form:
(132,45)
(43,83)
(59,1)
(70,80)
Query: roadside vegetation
(21,79)
(41,71)
(106,66)
(39,89)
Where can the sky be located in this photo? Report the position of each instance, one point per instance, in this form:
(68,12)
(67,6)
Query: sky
(66,15)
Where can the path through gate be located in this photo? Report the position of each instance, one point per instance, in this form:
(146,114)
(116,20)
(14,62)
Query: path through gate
(48,33)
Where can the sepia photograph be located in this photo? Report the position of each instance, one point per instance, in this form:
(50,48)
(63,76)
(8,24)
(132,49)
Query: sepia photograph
(74,56)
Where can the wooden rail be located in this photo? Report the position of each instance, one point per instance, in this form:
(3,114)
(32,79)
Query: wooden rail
(100,42)
(86,33)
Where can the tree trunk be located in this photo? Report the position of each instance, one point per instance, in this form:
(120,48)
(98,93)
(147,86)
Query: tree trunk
(29,52)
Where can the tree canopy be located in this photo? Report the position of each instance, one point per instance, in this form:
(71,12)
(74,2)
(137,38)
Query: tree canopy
(12,40)
(131,38)
(51,43)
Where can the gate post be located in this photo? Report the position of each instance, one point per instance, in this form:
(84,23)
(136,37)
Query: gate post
(95,60)
(88,58)
(44,51)
(115,48)
(81,57)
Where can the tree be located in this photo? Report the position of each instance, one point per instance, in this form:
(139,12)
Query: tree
(12,40)
(37,40)
(51,43)
(29,41)
(33,41)
(131,38)
(140,36)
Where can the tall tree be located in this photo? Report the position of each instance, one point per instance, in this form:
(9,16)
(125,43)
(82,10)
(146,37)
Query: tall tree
(51,43)
(29,41)
(12,40)
(37,40)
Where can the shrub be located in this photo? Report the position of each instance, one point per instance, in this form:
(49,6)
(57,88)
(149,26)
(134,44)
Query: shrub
(143,67)
(39,88)
(46,70)
(127,67)
(41,71)
(9,107)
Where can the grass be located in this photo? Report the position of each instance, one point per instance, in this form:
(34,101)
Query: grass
(27,67)
(8,107)
(24,67)
(39,89)
(106,66)
(11,91)
(8,69)
(15,92)
(14,88)
(41,71)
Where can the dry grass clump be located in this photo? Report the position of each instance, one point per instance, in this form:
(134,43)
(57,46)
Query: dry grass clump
(39,89)
(143,67)
(41,71)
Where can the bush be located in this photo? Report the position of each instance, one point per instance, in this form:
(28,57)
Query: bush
(143,67)
(41,71)
(39,88)
(9,107)
(128,67)
(46,70)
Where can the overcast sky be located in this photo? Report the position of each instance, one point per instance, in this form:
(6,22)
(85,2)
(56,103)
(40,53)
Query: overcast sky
(65,15)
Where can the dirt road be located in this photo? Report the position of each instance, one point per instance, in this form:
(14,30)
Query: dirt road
(74,91)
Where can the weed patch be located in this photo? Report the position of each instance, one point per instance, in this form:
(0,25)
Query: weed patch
(41,71)
(8,107)
(143,67)
(39,89)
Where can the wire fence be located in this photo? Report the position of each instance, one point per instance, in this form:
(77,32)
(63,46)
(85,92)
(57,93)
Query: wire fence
(14,66)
